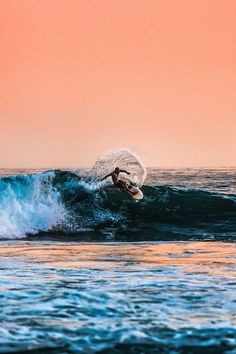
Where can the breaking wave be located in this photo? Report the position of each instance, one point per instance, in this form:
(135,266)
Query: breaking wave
(63,202)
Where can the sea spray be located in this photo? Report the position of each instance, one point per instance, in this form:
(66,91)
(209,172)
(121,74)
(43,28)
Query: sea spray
(29,204)
(124,159)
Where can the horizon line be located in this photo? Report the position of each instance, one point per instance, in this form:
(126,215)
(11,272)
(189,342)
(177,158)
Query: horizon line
(89,167)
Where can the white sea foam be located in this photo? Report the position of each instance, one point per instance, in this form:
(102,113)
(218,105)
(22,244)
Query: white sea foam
(29,204)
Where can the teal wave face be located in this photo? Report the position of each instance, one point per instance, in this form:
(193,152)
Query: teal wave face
(63,202)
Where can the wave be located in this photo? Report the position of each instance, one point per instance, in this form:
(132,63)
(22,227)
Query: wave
(29,204)
(60,201)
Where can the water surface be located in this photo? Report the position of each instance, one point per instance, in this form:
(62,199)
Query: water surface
(158,297)
(85,269)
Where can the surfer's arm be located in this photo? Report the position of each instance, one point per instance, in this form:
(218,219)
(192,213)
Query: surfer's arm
(106,176)
(128,173)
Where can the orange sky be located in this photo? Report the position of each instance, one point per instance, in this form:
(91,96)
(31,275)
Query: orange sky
(80,77)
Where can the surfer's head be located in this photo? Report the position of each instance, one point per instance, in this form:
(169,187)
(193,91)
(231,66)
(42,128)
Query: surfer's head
(117,170)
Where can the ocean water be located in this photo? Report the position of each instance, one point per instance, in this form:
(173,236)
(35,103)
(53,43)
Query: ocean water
(86,269)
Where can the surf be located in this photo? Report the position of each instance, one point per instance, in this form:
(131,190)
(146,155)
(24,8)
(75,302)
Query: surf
(59,200)
(76,202)
(29,204)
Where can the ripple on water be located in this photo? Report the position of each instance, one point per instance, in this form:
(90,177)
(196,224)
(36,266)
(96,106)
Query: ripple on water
(163,298)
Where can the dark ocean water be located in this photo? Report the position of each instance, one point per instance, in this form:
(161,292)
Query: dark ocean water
(178,205)
(86,269)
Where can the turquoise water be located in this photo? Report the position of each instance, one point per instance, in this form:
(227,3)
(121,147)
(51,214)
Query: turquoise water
(118,297)
(85,269)
(178,205)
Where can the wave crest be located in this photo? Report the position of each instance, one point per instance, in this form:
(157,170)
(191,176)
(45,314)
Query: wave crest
(61,200)
(29,204)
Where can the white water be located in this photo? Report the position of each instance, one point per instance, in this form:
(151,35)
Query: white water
(29,204)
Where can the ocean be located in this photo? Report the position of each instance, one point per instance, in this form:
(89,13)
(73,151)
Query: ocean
(86,269)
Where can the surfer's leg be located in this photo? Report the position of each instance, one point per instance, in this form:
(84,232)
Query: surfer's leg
(121,184)
(128,187)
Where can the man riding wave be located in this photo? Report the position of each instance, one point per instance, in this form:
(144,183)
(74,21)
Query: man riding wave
(118,182)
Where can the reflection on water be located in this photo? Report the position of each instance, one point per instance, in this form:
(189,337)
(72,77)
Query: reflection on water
(118,297)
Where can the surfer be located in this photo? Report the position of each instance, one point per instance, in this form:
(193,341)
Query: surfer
(115,179)
(135,192)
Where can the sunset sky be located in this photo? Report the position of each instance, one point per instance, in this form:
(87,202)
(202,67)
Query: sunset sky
(78,78)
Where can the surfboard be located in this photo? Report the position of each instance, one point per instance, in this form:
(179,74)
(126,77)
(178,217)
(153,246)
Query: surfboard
(135,193)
